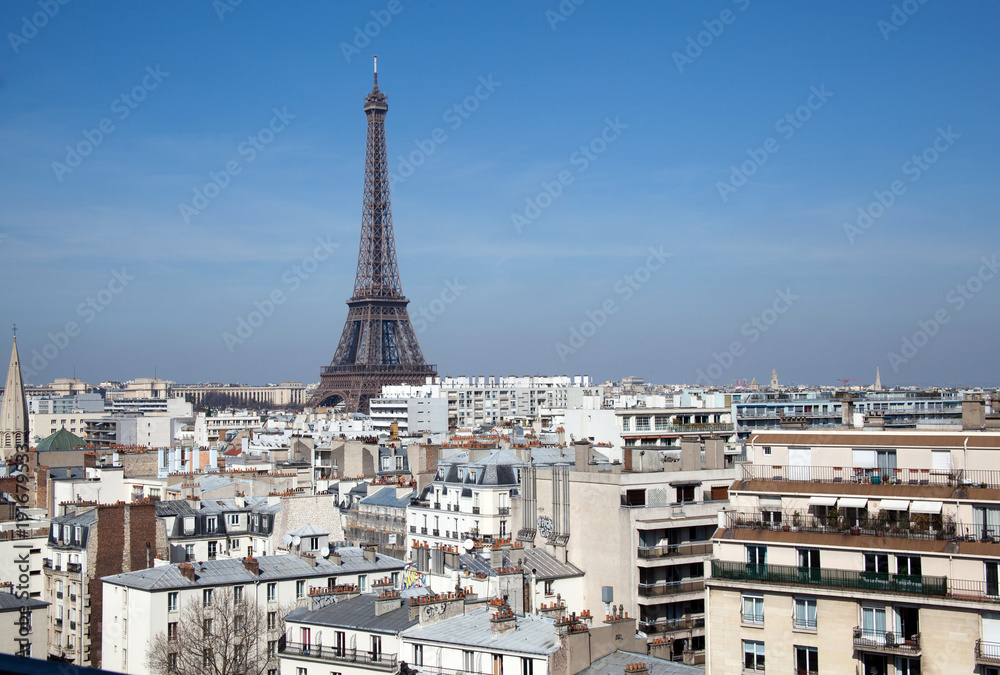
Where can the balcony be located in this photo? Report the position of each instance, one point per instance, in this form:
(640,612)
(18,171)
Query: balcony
(886,642)
(437,505)
(475,510)
(47,563)
(674,550)
(413,529)
(905,525)
(831,578)
(988,653)
(423,530)
(985,478)
(436,533)
(660,626)
(334,655)
(503,511)
(671,587)
(74,567)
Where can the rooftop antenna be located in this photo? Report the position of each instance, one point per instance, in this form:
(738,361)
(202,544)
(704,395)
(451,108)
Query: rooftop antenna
(375,58)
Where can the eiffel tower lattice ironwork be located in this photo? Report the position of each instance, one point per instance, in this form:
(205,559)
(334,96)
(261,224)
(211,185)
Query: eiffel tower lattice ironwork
(378,345)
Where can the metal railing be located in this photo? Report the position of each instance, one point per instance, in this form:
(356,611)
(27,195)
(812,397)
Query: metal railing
(988,652)
(671,625)
(886,641)
(343,655)
(832,578)
(902,525)
(675,550)
(986,478)
(671,587)
(503,511)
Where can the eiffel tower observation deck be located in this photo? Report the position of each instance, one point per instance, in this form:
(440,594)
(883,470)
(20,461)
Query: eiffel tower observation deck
(378,345)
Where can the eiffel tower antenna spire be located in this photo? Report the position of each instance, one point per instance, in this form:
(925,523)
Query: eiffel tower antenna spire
(378,345)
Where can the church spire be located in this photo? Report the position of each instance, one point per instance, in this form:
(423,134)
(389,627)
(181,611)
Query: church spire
(14,409)
(878,380)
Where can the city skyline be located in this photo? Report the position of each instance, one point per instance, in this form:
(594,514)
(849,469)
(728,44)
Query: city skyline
(813,201)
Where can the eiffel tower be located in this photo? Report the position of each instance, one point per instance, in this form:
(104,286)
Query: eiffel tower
(378,345)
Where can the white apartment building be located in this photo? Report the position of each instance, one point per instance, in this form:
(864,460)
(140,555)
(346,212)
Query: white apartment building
(413,416)
(207,429)
(140,606)
(482,400)
(875,552)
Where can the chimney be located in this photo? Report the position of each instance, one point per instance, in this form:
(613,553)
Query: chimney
(510,587)
(309,558)
(428,608)
(387,602)
(252,565)
(659,647)
(186,570)
(334,556)
(369,552)
(496,557)
(502,621)
(637,668)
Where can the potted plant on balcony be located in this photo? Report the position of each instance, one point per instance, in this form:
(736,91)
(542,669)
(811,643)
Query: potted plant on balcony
(832,518)
(796,521)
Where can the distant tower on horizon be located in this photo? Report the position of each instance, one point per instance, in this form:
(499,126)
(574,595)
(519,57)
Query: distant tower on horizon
(774,378)
(378,345)
(878,380)
(13,410)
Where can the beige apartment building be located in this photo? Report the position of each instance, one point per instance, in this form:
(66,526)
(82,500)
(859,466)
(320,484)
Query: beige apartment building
(868,552)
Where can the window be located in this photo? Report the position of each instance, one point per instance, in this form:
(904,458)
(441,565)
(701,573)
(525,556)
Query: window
(206,627)
(213,548)
(625,424)
(468,661)
(753,609)
(233,519)
(498,664)
(987,520)
(905,666)
(548,587)
(272,591)
(767,449)
(805,613)
(685,493)
(362,582)
(873,624)
(206,597)
(172,631)
(212,524)
(418,655)
(189,525)
(756,555)
(806,660)
(272,620)
(877,563)
(642,423)
(527,666)
(908,565)
(300,588)
(172,661)
(313,543)
(189,552)
(753,655)
(272,648)
(301,671)
(772,518)
(992,579)
(172,601)
(237,594)
(376,651)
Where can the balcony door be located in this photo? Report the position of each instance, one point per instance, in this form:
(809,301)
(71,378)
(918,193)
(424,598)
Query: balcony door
(873,625)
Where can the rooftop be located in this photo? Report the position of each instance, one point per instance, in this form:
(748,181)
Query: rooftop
(533,634)
(358,614)
(615,662)
(272,568)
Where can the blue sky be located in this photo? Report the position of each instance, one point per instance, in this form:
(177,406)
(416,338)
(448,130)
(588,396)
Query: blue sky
(819,107)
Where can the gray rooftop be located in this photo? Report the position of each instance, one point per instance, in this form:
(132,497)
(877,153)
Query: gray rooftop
(533,635)
(387,497)
(358,614)
(180,507)
(537,560)
(272,568)
(73,518)
(615,662)
(9,601)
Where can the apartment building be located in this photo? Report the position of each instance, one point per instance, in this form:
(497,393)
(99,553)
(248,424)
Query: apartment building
(22,623)
(656,512)
(83,545)
(468,499)
(205,529)
(141,606)
(875,552)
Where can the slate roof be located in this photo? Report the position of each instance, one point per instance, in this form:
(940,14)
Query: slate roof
(180,507)
(533,635)
(308,530)
(387,497)
(86,518)
(615,662)
(358,614)
(60,440)
(9,601)
(272,568)
(537,560)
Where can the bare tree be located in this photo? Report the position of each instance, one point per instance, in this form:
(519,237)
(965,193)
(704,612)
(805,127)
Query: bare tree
(227,635)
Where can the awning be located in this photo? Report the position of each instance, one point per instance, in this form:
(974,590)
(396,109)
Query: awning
(894,504)
(852,502)
(822,501)
(770,503)
(926,507)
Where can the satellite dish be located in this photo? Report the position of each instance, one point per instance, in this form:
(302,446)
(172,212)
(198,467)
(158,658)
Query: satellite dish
(287,539)
(325,551)
(468,544)
(296,540)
